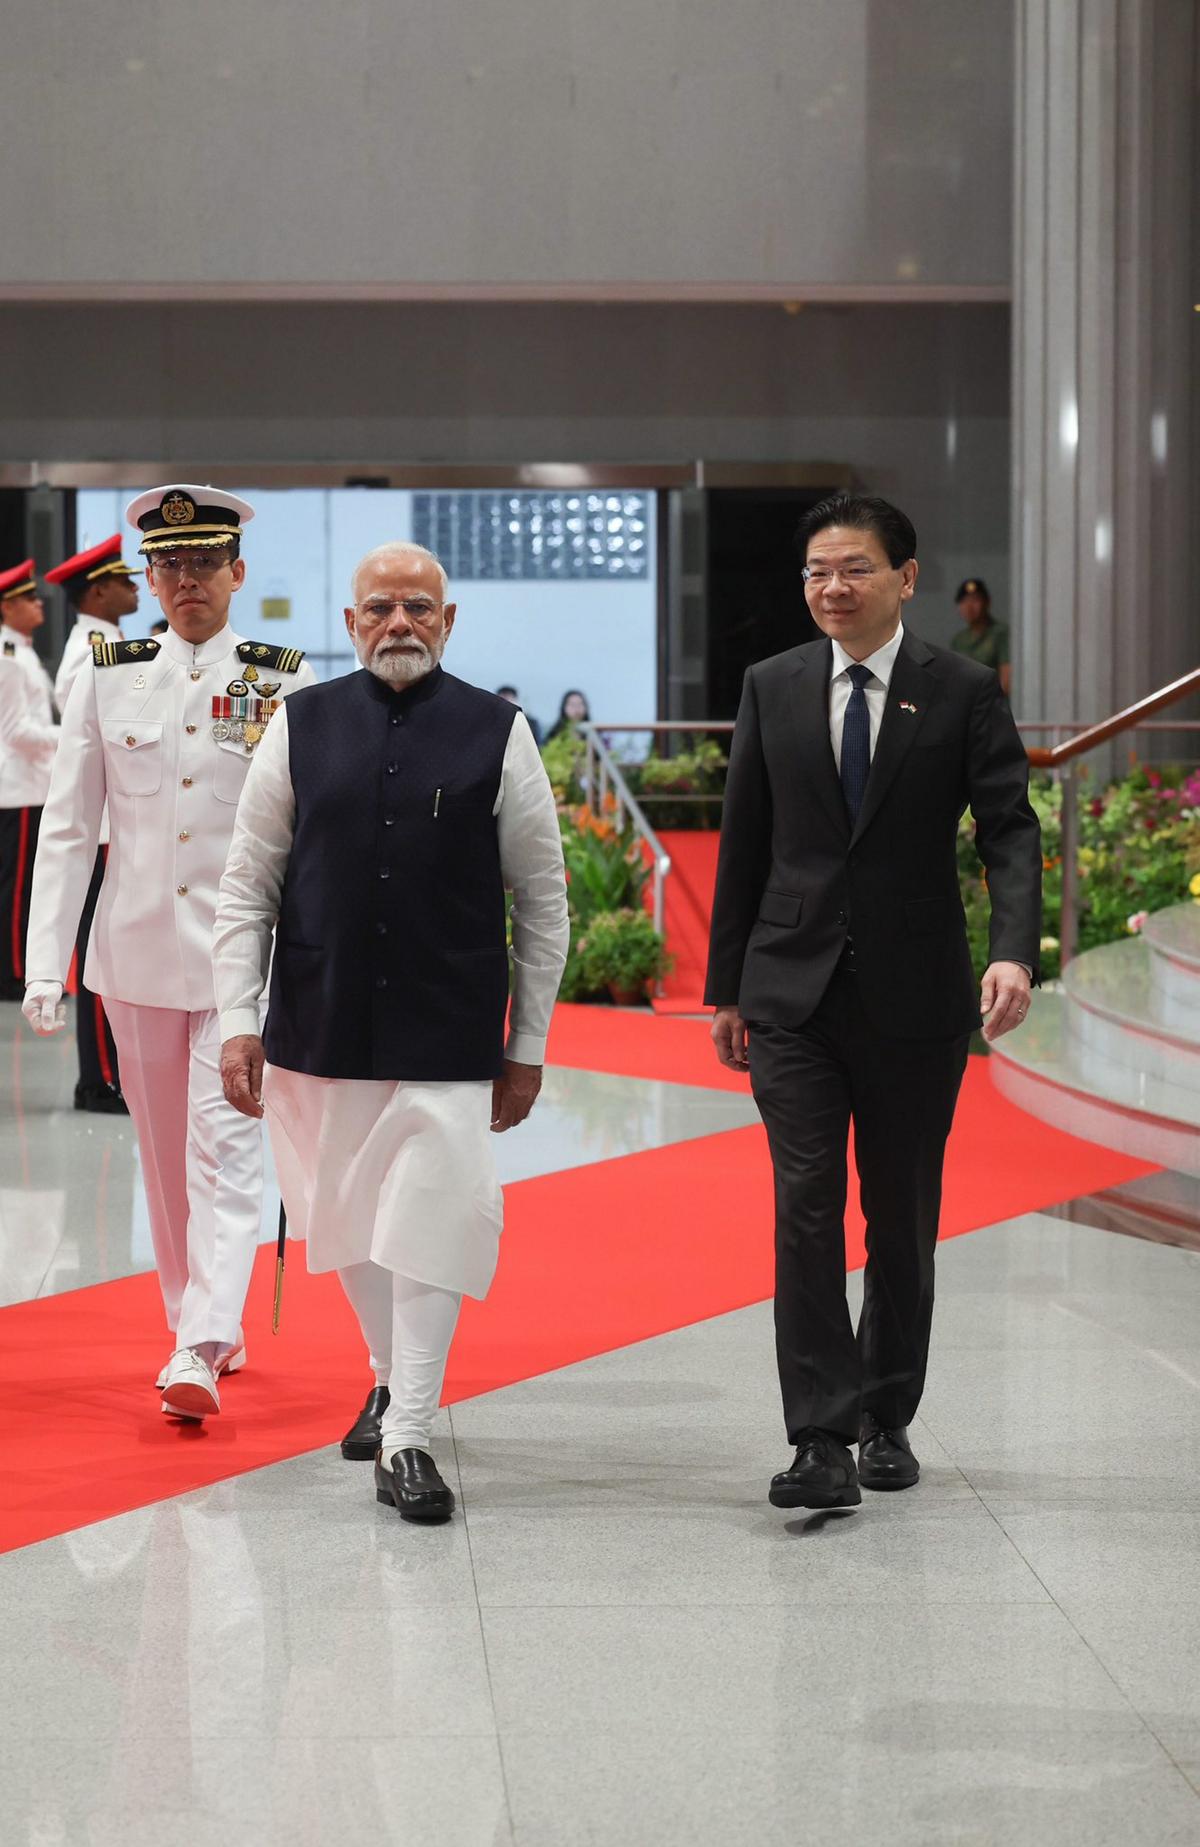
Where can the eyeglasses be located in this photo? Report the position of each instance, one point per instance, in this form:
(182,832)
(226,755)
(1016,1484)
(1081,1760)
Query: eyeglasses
(198,564)
(382,609)
(820,574)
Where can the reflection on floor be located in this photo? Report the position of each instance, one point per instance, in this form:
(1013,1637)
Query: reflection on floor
(618,1640)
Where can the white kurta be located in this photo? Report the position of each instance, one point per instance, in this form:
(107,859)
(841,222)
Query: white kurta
(28,734)
(399,1174)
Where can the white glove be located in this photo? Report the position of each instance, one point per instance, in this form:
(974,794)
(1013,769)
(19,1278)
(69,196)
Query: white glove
(43,1006)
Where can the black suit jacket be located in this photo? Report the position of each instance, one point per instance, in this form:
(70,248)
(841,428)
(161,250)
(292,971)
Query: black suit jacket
(794,880)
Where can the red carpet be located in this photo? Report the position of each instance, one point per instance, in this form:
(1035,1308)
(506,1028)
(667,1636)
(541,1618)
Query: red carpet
(689,900)
(593,1258)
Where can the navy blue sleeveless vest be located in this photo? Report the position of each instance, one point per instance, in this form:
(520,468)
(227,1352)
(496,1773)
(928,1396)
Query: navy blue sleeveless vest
(390,958)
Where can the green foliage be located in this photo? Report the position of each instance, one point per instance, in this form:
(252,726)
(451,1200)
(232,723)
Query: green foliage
(564,757)
(605,868)
(606,877)
(1139,851)
(698,771)
(620,949)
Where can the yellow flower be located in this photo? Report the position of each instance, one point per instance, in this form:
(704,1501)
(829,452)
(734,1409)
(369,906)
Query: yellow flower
(1194,886)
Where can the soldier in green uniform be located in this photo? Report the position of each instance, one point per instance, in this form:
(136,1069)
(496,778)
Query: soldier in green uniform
(982,637)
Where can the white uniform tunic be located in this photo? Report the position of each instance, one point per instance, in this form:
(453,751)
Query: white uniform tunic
(78,653)
(28,733)
(139,735)
(399,1174)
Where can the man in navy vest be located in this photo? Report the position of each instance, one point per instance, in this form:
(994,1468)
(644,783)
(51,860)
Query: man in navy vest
(382,822)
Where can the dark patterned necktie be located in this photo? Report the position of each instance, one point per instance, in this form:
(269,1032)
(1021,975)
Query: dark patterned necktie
(856,742)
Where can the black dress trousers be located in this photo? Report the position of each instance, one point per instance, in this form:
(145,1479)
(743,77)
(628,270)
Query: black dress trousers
(18,844)
(810,1083)
(93,1034)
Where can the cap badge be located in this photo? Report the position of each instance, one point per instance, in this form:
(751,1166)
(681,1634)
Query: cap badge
(178,510)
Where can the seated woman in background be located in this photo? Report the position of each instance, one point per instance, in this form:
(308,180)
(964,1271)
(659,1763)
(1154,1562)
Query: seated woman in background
(573,711)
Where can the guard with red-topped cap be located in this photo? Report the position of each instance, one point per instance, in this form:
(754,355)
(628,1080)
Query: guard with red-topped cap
(164,732)
(103,590)
(28,740)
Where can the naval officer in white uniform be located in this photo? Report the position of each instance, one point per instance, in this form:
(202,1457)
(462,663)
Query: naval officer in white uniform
(382,822)
(102,589)
(165,732)
(28,741)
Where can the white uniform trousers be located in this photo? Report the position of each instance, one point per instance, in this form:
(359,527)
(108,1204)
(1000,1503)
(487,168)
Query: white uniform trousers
(408,1327)
(202,1164)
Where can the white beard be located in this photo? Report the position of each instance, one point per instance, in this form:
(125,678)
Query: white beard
(401,663)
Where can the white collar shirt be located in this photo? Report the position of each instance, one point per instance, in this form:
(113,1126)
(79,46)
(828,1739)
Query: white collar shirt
(881,664)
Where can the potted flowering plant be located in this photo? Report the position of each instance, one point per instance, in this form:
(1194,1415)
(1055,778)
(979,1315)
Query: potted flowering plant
(623,952)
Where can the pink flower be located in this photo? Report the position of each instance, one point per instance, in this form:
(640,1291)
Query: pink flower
(1154,779)
(1136,923)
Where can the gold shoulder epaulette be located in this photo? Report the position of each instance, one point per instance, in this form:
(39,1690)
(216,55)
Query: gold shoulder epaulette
(120,653)
(278,660)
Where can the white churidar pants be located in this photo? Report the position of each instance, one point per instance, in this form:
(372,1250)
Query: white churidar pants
(408,1328)
(201,1163)
(393,1184)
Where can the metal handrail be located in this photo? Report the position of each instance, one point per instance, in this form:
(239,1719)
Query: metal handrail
(1061,761)
(602,772)
(1127,720)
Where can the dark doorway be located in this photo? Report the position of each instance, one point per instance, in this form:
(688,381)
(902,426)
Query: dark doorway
(755,594)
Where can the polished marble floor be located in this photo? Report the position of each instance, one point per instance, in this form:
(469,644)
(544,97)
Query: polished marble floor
(618,1640)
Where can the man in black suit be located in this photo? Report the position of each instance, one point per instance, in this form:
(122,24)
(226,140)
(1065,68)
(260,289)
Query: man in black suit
(841,976)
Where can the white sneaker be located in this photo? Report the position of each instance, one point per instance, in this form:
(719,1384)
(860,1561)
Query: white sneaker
(233,1361)
(190,1388)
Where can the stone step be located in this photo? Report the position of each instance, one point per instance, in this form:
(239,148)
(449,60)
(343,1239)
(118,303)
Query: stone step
(1172,938)
(1175,934)
(1045,1068)
(1118,1011)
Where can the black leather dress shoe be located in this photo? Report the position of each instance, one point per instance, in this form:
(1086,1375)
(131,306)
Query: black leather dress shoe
(412,1483)
(100,1100)
(361,1441)
(822,1475)
(884,1457)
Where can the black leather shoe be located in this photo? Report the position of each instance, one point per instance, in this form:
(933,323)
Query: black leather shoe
(884,1457)
(822,1475)
(100,1100)
(361,1442)
(411,1482)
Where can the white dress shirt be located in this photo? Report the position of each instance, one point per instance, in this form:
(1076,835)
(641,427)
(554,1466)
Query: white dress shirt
(875,691)
(531,863)
(139,735)
(28,733)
